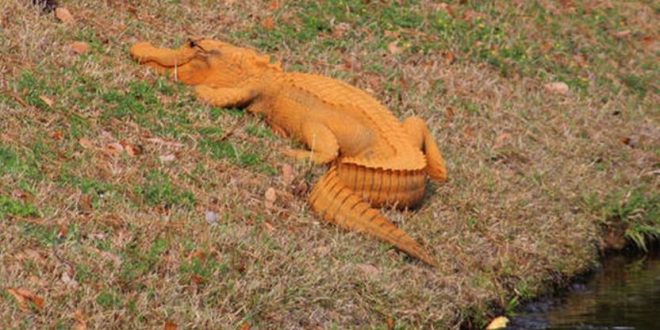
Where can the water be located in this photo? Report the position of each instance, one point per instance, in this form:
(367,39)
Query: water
(624,294)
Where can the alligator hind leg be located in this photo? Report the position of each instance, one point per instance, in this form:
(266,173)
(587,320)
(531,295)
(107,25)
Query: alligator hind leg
(421,137)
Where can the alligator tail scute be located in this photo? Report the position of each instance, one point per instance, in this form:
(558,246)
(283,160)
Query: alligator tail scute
(338,204)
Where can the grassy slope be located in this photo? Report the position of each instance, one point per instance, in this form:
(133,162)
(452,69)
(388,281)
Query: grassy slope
(123,240)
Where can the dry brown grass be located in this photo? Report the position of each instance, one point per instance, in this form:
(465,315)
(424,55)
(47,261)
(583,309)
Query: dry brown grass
(515,216)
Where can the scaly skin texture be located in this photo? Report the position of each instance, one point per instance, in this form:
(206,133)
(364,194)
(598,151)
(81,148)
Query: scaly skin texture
(375,159)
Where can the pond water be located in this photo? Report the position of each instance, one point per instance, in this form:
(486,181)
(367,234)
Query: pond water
(623,294)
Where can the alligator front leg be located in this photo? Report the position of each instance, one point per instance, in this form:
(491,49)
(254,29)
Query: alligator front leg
(422,138)
(226,97)
(321,142)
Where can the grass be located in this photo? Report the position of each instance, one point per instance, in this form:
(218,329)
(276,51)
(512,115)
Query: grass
(108,172)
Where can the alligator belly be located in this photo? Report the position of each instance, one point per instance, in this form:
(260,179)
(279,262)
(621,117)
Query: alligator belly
(382,187)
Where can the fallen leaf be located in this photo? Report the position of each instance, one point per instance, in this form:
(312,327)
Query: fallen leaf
(368,269)
(57,135)
(211,217)
(197,279)
(268,23)
(165,143)
(85,204)
(339,30)
(566,3)
(444,6)
(131,149)
(622,34)
(62,231)
(270,197)
(449,57)
(557,87)
(80,321)
(49,102)
(392,34)
(450,113)
(269,226)
(471,15)
(197,254)
(631,141)
(500,140)
(498,323)
(273,5)
(64,15)
(24,296)
(170,325)
(86,143)
(68,280)
(245,326)
(287,174)
(113,149)
(394,48)
(79,47)
(390,323)
(648,40)
(21,195)
(167,158)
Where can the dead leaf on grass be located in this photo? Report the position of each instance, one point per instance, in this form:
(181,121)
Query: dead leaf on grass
(57,135)
(273,5)
(450,113)
(79,47)
(211,217)
(622,34)
(113,149)
(197,279)
(498,323)
(631,141)
(63,230)
(449,57)
(86,143)
(390,323)
(85,204)
(269,226)
(269,197)
(446,7)
(64,15)
(24,297)
(167,158)
(131,149)
(394,48)
(557,87)
(165,143)
(80,321)
(268,23)
(170,325)
(339,30)
(21,195)
(49,102)
(501,139)
(68,280)
(287,174)
(369,270)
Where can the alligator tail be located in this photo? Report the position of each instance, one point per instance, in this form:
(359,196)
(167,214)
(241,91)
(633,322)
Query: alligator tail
(336,203)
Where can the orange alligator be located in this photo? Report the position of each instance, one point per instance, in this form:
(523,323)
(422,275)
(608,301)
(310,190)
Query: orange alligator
(376,160)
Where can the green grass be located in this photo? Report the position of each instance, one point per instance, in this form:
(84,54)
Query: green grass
(158,190)
(11,207)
